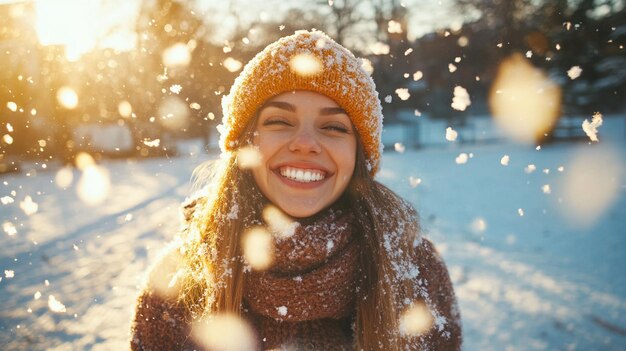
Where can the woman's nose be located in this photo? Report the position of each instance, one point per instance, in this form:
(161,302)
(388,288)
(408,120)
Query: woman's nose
(305,141)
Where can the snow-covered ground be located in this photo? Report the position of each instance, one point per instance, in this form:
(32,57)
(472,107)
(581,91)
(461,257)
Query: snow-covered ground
(534,267)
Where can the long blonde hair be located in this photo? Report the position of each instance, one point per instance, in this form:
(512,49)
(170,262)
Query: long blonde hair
(215,268)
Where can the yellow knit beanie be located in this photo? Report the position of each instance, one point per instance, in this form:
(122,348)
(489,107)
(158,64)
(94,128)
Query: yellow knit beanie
(306,61)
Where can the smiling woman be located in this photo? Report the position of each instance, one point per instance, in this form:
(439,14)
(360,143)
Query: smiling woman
(301,249)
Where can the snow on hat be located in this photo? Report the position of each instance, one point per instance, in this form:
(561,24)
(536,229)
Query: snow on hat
(306,60)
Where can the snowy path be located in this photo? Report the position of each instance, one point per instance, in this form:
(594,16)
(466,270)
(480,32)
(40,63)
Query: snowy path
(92,257)
(524,282)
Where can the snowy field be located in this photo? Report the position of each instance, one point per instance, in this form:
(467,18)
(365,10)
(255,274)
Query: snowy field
(535,267)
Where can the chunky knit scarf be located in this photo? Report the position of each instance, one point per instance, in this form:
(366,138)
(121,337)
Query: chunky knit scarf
(313,278)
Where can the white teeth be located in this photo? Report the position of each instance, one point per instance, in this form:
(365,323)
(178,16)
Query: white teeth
(302,175)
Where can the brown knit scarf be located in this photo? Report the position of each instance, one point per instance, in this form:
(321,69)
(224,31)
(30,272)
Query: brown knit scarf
(314,274)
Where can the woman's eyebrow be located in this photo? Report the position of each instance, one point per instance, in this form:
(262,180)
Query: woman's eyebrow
(279,104)
(332,111)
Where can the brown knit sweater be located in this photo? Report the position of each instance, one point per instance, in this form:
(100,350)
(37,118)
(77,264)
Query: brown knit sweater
(306,300)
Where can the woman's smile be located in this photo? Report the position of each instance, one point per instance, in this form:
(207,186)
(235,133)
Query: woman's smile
(302,175)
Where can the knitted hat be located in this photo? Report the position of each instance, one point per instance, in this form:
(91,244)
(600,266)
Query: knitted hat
(306,61)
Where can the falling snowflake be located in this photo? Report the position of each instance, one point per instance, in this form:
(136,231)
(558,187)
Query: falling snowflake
(176,88)
(329,245)
(505,160)
(399,147)
(451,68)
(408,51)
(461,99)
(461,159)
(7,139)
(5,200)
(574,72)
(9,228)
(9,274)
(530,168)
(232,65)
(28,206)
(152,143)
(55,305)
(379,48)
(546,189)
(520,212)
(418,75)
(451,134)
(282,310)
(479,225)
(591,128)
(394,27)
(414,181)
(388,99)
(12,106)
(403,94)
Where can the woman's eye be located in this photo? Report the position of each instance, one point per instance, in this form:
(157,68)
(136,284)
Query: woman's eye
(336,128)
(276,122)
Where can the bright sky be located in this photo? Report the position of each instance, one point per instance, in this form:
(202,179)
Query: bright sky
(81,25)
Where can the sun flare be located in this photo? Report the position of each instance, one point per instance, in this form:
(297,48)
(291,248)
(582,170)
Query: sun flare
(81,25)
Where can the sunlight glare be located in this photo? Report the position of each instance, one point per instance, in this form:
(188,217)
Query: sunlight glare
(125,109)
(67,97)
(166,277)
(591,185)
(232,65)
(258,248)
(249,157)
(93,186)
(416,320)
(71,23)
(84,160)
(174,113)
(64,177)
(221,332)
(306,65)
(177,55)
(525,103)
(281,225)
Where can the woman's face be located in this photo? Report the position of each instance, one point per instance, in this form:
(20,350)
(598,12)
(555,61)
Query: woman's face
(308,147)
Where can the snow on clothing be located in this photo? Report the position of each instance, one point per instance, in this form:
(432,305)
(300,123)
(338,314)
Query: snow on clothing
(306,300)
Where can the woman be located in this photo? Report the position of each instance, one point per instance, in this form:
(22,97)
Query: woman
(342,263)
